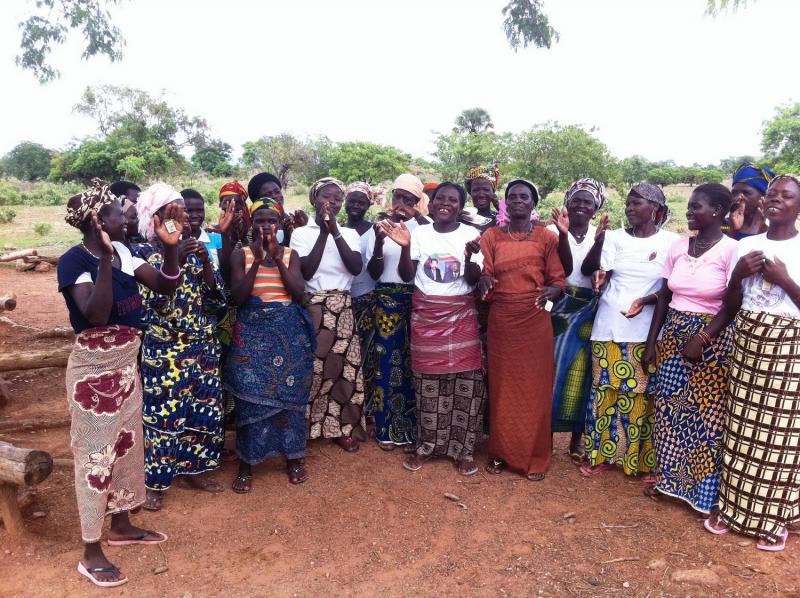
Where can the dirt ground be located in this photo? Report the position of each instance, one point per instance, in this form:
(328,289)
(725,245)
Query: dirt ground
(364,526)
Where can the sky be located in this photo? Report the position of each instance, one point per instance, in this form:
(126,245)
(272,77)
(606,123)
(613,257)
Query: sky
(658,78)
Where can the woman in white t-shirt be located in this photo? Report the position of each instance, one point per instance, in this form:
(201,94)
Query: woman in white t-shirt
(329,260)
(387,365)
(619,417)
(759,494)
(444,261)
(579,247)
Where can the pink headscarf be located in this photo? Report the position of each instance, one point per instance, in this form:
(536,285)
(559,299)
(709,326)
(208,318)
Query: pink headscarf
(150,201)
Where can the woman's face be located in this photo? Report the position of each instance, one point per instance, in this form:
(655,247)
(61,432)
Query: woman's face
(701,213)
(268,219)
(331,196)
(403,201)
(238,203)
(356,205)
(750,195)
(195,212)
(639,211)
(113,221)
(270,190)
(519,201)
(482,192)
(446,205)
(581,207)
(782,202)
(132,222)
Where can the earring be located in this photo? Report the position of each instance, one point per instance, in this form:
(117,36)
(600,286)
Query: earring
(714,214)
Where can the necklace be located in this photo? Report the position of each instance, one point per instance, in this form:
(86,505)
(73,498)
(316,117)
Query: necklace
(700,248)
(578,237)
(517,237)
(86,249)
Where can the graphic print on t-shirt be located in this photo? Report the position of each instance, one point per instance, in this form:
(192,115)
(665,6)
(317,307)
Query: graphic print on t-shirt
(442,267)
(763,294)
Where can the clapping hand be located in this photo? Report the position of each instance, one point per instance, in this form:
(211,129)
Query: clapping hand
(174,213)
(105,240)
(602,227)
(599,278)
(397,232)
(561,220)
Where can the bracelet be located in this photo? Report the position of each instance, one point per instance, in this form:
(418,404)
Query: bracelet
(704,337)
(337,236)
(378,257)
(170,276)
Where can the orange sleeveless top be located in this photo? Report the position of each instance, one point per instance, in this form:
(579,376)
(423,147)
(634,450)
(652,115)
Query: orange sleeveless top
(268,285)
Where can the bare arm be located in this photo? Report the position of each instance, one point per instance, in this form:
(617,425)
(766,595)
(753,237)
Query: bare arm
(292,277)
(95,300)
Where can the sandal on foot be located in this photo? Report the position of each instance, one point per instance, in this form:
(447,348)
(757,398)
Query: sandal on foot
(712,529)
(297,472)
(588,470)
(776,546)
(535,477)
(649,479)
(348,444)
(89,574)
(409,449)
(578,458)
(651,491)
(467,467)
(153,502)
(160,537)
(242,484)
(413,462)
(495,466)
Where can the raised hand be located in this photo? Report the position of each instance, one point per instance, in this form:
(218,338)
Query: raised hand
(561,220)
(599,278)
(174,213)
(397,232)
(102,236)
(275,251)
(227,217)
(380,234)
(737,215)
(257,245)
(187,247)
(300,218)
(202,252)
(602,227)
(473,247)
(486,285)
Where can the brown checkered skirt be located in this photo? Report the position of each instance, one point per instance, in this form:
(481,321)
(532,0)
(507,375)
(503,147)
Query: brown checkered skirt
(760,490)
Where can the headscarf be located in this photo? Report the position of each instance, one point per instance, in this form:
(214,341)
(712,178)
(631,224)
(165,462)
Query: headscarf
(755,176)
(592,187)
(270,204)
(328,180)
(412,184)
(429,186)
(490,172)
(653,194)
(233,188)
(502,217)
(150,201)
(785,175)
(96,197)
(360,187)
(255,184)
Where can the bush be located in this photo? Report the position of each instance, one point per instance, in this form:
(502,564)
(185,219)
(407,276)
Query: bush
(42,228)
(7,216)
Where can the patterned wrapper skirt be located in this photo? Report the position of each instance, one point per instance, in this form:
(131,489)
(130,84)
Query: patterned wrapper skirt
(337,390)
(392,403)
(182,405)
(690,411)
(760,490)
(448,375)
(104,392)
(572,326)
(619,416)
(269,371)
(363,308)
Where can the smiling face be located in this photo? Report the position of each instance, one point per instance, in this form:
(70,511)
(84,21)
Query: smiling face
(446,205)
(356,205)
(750,195)
(639,211)
(482,192)
(331,196)
(271,190)
(701,212)
(113,221)
(195,212)
(782,202)
(581,207)
(132,222)
(519,202)
(403,200)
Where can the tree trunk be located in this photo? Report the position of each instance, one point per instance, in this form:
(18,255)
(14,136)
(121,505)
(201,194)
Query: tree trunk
(8,301)
(23,467)
(31,360)
(12,516)
(15,255)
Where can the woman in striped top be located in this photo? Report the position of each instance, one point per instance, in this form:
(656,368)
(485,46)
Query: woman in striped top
(269,370)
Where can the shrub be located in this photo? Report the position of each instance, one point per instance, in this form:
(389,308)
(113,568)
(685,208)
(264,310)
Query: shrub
(42,228)
(7,216)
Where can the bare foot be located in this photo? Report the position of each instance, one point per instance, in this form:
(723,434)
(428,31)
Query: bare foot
(201,482)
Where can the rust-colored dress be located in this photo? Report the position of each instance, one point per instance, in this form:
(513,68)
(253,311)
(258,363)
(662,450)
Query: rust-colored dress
(520,346)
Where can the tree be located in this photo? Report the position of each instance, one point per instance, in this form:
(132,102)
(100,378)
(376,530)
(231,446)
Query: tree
(715,7)
(363,161)
(781,139)
(456,153)
(634,169)
(214,158)
(51,25)
(283,155)
(473,120)
(553,156)
(526,24)
(729,165)
(28,161)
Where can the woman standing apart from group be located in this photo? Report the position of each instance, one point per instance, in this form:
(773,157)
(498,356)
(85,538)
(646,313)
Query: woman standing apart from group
(329,260)
(522,278)
(619,417)
(760,491)
(579,247)
(445,343)
(692,355)
(98,279)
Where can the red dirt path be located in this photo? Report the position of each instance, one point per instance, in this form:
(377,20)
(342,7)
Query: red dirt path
(364,526)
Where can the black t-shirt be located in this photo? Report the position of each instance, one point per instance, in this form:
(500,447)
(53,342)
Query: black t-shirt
(126,309)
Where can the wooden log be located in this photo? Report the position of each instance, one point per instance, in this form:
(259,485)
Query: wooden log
(12,516)
(8,301)
(36,259)
(25,499)
(31,360)
(57,332)
(30,425)
(4,392)
(23,266)
(42,267)
(15,255)
(23,467)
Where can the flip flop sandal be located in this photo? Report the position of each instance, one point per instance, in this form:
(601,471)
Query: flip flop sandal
(140,539)
(588,470)
(347,444)
(297,473)
(774,546)
(413,463)
(578,458)
(89,574)
(386,446)
(244,479)
(535,477)
(467,468)
(651,491)
(409,449)
(649,479)
(717,531)
(495,466)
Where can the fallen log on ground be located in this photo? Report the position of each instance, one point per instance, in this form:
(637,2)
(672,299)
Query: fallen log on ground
(35,259)
(57,332)
(31,360)
(8,301)
(23,266)
(29,425)
(15,255)
(19,467)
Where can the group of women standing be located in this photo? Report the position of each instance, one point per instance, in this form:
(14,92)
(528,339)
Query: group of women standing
(674,359)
